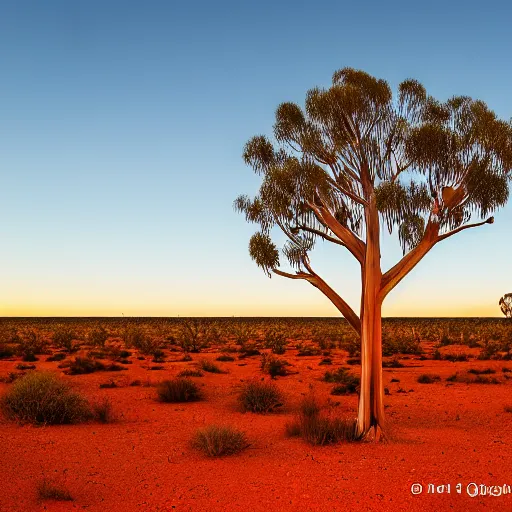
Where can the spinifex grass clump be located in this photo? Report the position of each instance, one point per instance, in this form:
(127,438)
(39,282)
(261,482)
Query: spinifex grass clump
(216,441)
(209,366)
(225,358)
(273,366)
(42,398)
(190,373)
(319,427)
(346,382)
(427,378)
(83,365)
(178,390)
(260,397)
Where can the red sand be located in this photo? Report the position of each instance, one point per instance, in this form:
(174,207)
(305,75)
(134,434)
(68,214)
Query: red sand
(440,434)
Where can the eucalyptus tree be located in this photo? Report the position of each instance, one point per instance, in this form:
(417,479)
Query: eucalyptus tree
(356,157)
(506,305)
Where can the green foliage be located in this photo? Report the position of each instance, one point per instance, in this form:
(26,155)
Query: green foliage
(217,440)
(42,398)
(260,397)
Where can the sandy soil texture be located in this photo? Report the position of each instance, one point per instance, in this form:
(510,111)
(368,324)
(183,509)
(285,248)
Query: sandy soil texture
(439,433)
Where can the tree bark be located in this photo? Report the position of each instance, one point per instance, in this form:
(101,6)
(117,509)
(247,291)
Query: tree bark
(370,418)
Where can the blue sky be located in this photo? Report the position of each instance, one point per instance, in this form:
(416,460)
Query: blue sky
(122,126)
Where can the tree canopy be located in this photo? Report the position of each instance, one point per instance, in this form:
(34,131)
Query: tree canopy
(433,167)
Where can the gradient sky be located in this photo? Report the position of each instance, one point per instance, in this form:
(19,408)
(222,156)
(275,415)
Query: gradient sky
(122,126)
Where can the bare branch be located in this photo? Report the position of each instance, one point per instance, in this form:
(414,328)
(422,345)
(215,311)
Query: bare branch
(490,220)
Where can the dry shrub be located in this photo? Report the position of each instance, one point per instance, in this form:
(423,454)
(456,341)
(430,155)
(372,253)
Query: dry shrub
(178,390)
(216,441)
(42,398)
(318,427)
(260,397)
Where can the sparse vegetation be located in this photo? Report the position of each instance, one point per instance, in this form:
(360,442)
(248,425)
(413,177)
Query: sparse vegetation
(42,398)
(260,397)
(210,367)
(427,378)
(318,427)
(346,383)
(178,390)
(273,366)
(216,441)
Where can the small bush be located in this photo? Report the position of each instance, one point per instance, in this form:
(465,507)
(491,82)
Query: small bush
(455,358)
(108,385)
(394,363)
(98,336)
(275,340)
(216,441)
(190,373)
(83,365)
(103,411)
(346,382)
(63,338)
(426,378)
(50,491)
(22,366)
(209,366)
(325,361)
(158,356)
(42,398)
(178,390)
(273,366)
(260,397)
(5,351)
(248,351)
(305,351)
(59,356)
(487,371)
(508,408)
(31,344)
(225,358)
(318,428)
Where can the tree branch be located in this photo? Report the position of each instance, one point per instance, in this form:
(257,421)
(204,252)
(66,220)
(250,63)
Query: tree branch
(319,283)
(431,237)
(354,244)
(490,220)
(320,234)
